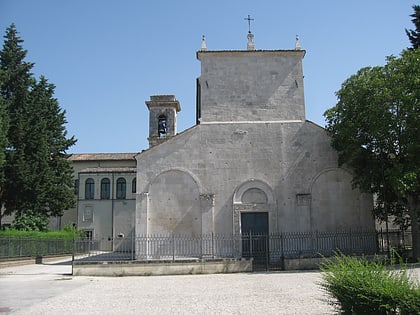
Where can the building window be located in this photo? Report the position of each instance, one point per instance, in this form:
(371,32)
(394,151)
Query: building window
(89,189)
(88,214)
(133,186)
(162,126)
(121,188)
(88,235)
(105,188)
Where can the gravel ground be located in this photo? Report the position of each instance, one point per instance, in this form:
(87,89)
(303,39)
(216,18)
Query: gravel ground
(49,289)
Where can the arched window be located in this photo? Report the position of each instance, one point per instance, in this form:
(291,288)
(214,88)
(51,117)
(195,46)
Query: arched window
(162,126)
(133,186)
(121,188)
(89,189)
(105,188)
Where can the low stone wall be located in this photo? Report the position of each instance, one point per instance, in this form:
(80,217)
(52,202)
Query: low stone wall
(302,263)
(148,268)
(313,263)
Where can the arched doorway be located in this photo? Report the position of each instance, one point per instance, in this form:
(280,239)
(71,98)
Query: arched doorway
(253,218)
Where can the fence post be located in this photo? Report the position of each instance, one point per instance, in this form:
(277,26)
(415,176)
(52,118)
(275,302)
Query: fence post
(382,241)
(282,245)
(250,243)
(212,244)
(72,252)
(9,247)
(402,239)
(133,240)
(267,248)
(173,246)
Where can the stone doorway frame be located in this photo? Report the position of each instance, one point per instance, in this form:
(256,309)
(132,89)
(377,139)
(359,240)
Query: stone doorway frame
(239,207)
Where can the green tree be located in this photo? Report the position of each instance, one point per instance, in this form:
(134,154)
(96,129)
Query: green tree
(38,176)
(414,35)
(375,129)
(3,142)
(55,184)
(15,84)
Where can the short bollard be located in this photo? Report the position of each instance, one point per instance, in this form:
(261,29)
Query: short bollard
(38,260)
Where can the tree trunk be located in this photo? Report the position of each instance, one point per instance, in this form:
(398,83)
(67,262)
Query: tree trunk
(413,205)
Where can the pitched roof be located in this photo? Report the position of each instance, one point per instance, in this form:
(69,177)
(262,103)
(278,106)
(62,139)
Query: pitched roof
(102,156)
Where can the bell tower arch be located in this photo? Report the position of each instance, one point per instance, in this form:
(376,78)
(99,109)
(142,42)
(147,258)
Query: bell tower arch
(162,118)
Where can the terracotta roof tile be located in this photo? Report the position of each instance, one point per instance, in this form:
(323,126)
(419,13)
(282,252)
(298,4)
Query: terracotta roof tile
(102,156)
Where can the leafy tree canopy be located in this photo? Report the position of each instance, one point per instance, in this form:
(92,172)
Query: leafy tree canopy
(375,129)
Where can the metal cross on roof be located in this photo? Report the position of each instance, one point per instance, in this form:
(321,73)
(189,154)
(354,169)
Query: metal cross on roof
(249,23)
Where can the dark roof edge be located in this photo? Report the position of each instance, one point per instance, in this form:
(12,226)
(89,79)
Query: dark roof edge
(169,140)
(101,156)
(315,124)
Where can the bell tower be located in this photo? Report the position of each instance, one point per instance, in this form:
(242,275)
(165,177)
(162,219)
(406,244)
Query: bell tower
(162,118)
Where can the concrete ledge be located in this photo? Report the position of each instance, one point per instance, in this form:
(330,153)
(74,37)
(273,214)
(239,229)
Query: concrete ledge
(149,268)
(10,262)
(313,263)
(302,263)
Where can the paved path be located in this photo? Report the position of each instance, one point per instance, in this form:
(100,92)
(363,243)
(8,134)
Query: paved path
(50,289)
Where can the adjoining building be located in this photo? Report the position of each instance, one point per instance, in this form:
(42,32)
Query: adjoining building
(105,185)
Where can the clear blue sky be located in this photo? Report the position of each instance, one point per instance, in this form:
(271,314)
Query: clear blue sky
(107,57)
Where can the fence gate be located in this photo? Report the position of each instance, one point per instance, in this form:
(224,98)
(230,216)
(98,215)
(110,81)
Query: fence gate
(254,228)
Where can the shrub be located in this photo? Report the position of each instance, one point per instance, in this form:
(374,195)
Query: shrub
(59,234)
(360,286)
(15,243)
(31,221)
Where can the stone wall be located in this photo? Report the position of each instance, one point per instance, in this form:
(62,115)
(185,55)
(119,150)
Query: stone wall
(251,85)
(293,160)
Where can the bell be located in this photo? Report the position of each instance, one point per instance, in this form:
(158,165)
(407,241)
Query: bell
(162,127)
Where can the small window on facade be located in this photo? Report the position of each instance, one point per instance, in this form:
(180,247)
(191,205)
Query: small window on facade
(162,126)
(133,186)
(87,214)
(121,188)
(88,235)
(89,189)
(105,188)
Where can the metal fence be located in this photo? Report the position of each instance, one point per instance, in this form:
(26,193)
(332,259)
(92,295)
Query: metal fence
(396,239)
(264,249)
(21,247)
(268,250)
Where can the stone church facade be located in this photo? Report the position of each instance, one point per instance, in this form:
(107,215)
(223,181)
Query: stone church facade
(252,163)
